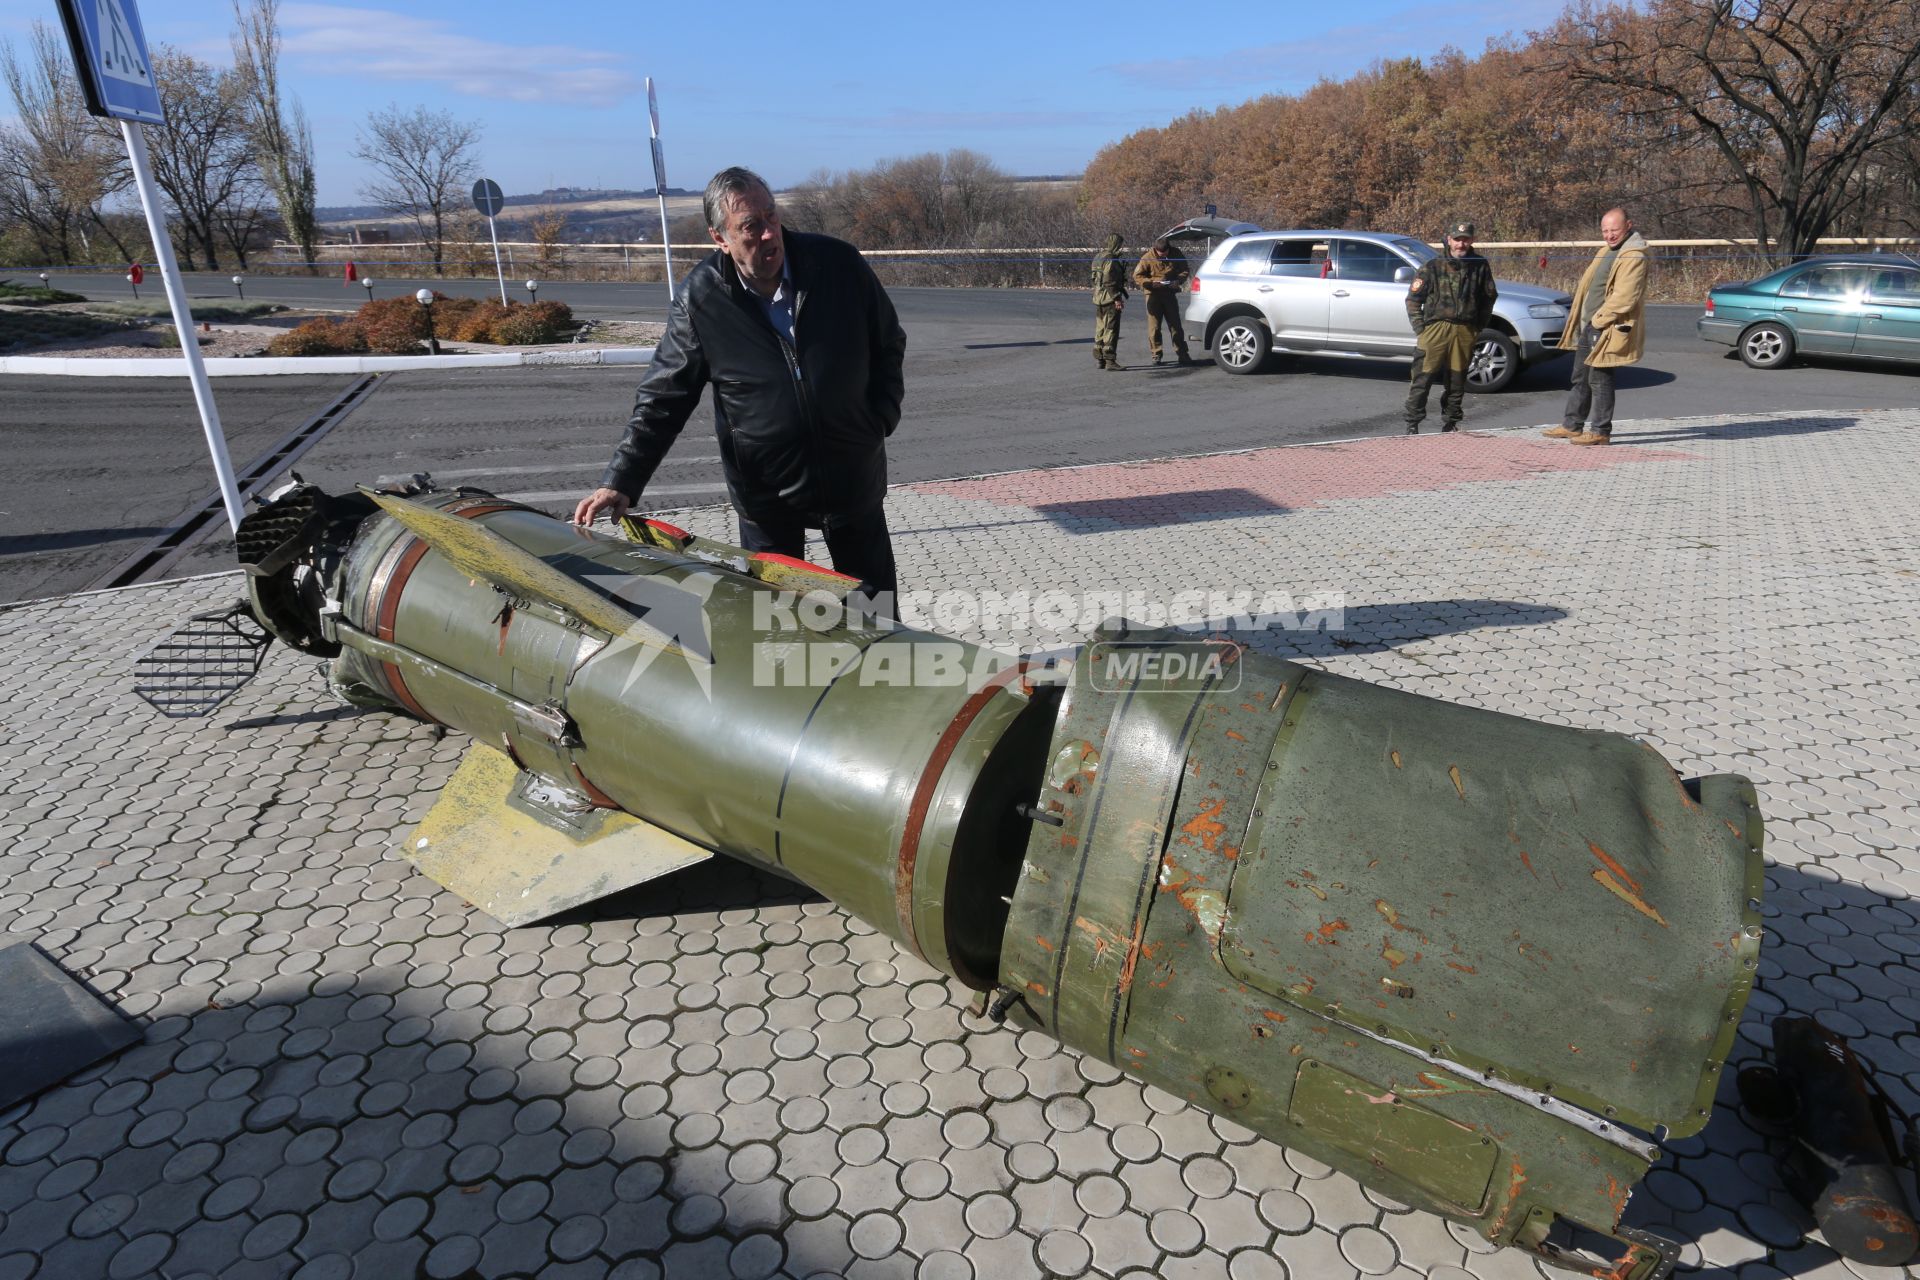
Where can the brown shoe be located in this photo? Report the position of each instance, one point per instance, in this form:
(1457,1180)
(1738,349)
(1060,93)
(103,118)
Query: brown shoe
(1591,437)
(1561,433)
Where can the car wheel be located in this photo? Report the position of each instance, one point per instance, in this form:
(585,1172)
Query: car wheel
(1241,346)
(1496,362)
(1766,346)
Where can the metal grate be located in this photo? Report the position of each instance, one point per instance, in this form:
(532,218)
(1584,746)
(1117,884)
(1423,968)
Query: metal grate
(199,666)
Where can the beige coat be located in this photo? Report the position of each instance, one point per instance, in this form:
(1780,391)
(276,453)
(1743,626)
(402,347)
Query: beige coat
(1622,311)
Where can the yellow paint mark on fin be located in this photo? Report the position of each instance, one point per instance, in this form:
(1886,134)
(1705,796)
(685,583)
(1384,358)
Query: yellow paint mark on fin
(1453,771)
(1629,897)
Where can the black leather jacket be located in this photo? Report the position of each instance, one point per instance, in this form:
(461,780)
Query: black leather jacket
(802,430)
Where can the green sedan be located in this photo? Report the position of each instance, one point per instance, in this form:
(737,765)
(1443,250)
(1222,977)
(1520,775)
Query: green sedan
(1863,307)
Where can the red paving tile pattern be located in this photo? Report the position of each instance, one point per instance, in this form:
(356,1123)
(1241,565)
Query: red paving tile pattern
(1305,475)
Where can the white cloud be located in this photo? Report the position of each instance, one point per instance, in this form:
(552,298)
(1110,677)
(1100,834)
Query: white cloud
(383,45)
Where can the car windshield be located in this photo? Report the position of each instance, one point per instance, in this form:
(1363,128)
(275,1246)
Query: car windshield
(1418,250)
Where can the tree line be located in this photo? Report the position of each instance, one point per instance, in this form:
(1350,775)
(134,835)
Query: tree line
(1780,120)
(233,162)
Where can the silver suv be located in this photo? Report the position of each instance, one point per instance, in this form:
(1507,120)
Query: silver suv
(1344,293)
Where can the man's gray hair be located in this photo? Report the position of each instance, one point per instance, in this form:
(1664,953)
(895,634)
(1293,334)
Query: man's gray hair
(724,187)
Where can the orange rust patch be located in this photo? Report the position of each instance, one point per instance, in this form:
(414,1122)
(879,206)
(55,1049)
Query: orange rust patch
(1044,944)
(1206,826)
(1230,852)
(1631,898)
(1272,1016)
(1464,968)
(1133,955)
(1527,862)
(1038,988)
(1614,867)
(1328,932)
(1235,736)
(1453,772)
(1102,936)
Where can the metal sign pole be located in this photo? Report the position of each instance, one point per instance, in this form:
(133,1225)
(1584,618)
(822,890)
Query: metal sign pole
(497,269)
(182,318)
(660,183)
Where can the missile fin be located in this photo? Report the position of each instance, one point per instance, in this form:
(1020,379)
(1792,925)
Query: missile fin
(481,553)
(522,850)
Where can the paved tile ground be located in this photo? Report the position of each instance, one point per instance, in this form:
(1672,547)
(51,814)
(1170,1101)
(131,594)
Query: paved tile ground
(348,1072)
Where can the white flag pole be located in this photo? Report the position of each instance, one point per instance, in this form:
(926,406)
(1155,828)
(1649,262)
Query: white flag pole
(660,181)
(182,318)
(495,237)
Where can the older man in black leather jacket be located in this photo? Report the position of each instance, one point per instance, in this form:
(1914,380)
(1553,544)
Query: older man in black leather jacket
(804,352)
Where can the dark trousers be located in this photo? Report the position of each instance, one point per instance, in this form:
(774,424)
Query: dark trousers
(859,544)
(1590,399)
(1163,306)
(1453,398)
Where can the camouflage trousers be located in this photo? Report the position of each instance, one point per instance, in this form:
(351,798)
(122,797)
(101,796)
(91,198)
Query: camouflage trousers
(1106,331)
(1164,304)
(1446,351)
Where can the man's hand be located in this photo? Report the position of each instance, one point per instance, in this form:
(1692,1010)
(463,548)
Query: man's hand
(610,502)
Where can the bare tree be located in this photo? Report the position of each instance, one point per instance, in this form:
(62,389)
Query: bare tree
(1794,95)
(548,227)
(421,159)
(282,140)
(202,157)
(57,164)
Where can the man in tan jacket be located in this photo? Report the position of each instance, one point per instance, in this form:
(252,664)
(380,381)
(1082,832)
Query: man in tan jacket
(1604,330)
(1162,276)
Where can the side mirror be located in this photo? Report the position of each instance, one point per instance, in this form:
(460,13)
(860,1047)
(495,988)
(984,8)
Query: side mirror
(1402,274)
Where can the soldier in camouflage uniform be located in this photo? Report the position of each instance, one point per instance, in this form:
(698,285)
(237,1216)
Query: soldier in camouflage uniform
(1449,302)
(1109,297)
(1161,276)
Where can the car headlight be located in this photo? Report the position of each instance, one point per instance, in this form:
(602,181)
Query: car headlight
(1547,310)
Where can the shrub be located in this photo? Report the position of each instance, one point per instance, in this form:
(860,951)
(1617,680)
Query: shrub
(476,323)
(393,326)
(453,315)
(322,337)
(531,326)
(28,295)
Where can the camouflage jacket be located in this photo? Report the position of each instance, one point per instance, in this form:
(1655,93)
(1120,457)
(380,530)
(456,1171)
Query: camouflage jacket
(1157,274)
(1457,289)
(1109,274)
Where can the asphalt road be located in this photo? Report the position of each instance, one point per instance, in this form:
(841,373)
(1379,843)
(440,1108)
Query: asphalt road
(996,380)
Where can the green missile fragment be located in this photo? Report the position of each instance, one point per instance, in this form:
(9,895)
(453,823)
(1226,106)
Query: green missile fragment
(1475,961)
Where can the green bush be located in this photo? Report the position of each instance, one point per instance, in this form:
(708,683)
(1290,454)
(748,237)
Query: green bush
(322,337)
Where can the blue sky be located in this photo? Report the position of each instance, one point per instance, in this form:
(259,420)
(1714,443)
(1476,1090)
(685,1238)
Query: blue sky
(790,89)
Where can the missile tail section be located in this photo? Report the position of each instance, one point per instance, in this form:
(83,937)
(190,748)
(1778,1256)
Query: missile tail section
(1475,961)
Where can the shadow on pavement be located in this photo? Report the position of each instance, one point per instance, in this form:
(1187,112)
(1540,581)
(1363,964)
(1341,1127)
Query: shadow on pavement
(1762,429)
(1146,511)
(1824,956)
(23,544)
(1376,628)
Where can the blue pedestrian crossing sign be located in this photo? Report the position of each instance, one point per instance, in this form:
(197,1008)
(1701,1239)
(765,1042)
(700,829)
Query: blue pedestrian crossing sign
(110,53)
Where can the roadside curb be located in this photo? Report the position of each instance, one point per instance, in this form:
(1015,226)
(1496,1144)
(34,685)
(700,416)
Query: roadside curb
(257,366)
